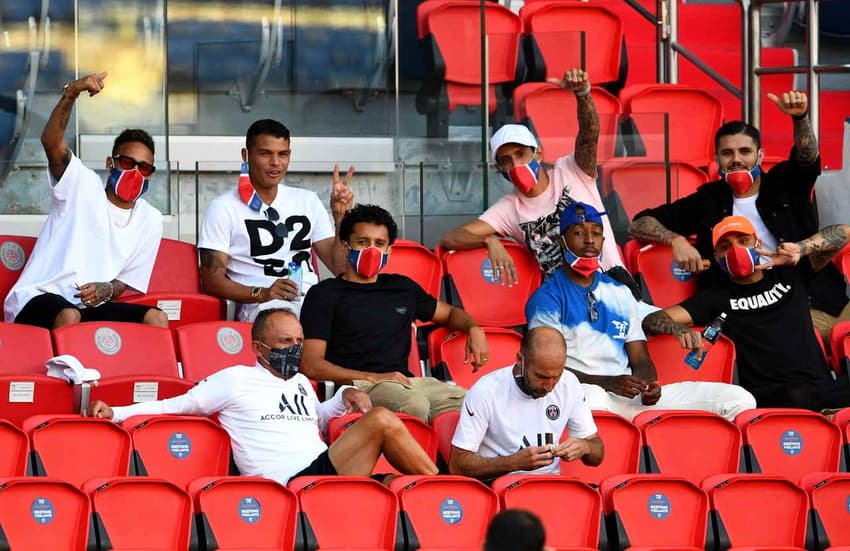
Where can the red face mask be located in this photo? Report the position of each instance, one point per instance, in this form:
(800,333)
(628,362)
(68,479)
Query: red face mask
(367,262)
(741,180)
(128,185)
(524,177)
(740,261)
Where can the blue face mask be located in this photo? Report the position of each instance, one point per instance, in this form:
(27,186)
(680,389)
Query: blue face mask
(523,177)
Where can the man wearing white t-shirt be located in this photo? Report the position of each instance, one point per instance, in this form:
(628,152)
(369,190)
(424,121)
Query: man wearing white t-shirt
(512,418)
(257,240)
(531,213)
(272,414)
(98,240)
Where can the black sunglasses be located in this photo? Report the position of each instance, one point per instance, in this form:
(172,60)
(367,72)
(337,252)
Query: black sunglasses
(591,307)
(128,163)
(272,215)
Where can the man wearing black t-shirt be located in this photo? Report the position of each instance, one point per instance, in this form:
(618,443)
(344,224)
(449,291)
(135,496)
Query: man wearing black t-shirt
(357,326)
(767,315)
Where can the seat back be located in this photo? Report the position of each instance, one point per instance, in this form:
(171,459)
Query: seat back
(24,349)
(662,281)
(178,448)
(556,29)
(418,263)
(175,269)
(789,442)
(14,450)
(42,513)
(503,345)
(22,396)
(244,512)
(839,333)
(117,503)
(689,444)
(181,308)
(470,283)
(445,511)
(119,349)
(644,184)
(622,450)
(687,108)
(212,346)
(758,510)
(654,511)
(14,252)
(842,421)
(326,504)
(828,493)
(668,356)
(552,110)
(570,510)
(444,426)
(74,448)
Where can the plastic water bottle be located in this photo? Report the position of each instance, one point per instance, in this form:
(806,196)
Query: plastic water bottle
(709,335)
(295,275)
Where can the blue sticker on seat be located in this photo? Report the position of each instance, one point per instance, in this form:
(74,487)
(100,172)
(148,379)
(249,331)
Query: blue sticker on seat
(179,445)
(680,273)
(42,510)
(487,272)
(451,511)
(659,506)
(250,510)
(791,442)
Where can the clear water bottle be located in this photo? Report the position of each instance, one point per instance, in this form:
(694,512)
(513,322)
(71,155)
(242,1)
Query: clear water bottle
(709,335)
(295,275)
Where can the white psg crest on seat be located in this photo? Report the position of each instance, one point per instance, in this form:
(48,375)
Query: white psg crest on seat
(108,341)
(229,340)
(12,256)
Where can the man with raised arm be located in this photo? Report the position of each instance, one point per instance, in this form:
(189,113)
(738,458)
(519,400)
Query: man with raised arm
(257,240)
(778,202)
(98,240)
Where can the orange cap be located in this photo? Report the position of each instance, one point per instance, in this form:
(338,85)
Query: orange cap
(730,224)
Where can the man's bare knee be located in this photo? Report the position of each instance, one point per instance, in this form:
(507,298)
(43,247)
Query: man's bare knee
(382,419)
(155,317)
(66,316)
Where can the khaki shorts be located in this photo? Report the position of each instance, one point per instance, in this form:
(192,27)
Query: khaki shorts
(424,397)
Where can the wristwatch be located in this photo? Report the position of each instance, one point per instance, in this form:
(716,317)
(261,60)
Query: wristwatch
(255,291)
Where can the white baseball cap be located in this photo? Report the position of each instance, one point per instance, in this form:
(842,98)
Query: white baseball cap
(511,133)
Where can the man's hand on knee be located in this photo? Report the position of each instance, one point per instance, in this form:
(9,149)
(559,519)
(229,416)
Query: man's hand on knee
(356,400)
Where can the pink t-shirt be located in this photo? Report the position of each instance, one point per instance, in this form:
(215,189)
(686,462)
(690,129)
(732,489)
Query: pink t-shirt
(535,221)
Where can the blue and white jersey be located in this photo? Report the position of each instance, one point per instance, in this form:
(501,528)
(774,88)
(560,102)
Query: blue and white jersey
(596,321)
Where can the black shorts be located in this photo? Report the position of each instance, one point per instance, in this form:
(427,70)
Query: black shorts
(43,309)
(319,467)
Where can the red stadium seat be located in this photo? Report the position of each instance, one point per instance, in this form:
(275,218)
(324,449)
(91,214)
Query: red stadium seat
(24,349)
(421,431)
(571,511)
(644,184)
(212,346)
(552,113)
(837,336)
(22,396)
(244,512)
(140,513)
(828,494)
(662,282)
(789,442)
(418,263)
(690,444)
(622,450)
(444,426)
(688,108)
(444,511)
(414,362)
(15,250)
(181,309)
(178,448)
(842,420)
(555,32)
(502,343)
(43,513)
(451,42)
(757,511)
(669,359)
(75,448)
(346,512)
(14,450)
(654,511)
(470,284)
(834,109)
(630,252)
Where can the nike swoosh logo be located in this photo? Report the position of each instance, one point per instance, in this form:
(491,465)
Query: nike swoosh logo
(469,411)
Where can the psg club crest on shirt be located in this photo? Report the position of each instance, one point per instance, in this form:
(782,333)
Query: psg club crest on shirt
(553,412)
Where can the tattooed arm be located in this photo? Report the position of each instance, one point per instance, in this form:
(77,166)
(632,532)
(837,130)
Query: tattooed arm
(675,321)
(820,248)
(587,139)
(649,229)
(53,136)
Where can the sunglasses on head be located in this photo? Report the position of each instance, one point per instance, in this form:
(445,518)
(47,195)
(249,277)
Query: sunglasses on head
(272,215)
(591,307)
(128,163)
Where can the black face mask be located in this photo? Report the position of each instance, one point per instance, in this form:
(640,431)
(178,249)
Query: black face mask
(520,381)
(286,361)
